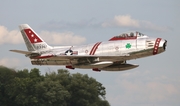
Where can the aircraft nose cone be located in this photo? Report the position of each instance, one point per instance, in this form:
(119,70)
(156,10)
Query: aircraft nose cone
(159,46)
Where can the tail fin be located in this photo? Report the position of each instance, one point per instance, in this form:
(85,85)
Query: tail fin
(32,40)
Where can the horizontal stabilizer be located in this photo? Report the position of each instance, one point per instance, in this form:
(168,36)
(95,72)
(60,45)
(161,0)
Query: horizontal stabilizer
(24,52)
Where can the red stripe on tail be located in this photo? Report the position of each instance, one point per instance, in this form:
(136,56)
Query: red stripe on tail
(32,36)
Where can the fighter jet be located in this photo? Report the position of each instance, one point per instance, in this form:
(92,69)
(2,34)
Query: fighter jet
(110,55)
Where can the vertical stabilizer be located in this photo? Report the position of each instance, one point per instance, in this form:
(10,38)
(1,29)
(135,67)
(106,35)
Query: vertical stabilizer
(32,40)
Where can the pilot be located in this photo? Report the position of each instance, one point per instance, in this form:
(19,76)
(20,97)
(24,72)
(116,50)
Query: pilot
(126,35)
(123,35)
(132,34)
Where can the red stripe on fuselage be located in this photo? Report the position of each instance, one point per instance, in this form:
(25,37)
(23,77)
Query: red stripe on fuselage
(156,46)
(96,48)
(93,50)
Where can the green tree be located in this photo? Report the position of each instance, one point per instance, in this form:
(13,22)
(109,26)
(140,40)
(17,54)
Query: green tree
(22,73)
(22,88)
(51,93)
(20,91)
(6,77)
(27,88)
(84,90)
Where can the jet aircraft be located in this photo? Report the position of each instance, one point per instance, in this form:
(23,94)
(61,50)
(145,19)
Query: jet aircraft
(110,55)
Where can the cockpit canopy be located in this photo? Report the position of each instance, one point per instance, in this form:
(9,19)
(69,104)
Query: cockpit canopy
(128,35)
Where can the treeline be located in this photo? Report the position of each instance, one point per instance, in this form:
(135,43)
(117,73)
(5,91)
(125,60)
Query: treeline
(30,88)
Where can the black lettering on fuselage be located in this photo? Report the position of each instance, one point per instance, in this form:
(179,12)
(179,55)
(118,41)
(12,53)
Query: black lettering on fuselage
(40,46)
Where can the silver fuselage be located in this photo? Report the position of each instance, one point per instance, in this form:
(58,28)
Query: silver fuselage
(109,55)
(106,51)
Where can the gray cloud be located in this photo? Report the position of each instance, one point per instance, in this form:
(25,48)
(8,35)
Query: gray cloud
(7,62)
(144,88)
(128,21)
(11,37)
(64,25)
(65,38)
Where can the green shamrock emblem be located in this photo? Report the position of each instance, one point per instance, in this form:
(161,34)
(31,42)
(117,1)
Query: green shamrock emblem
(128,45)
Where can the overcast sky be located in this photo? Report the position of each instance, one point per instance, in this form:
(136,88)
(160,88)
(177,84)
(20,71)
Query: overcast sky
(156,82)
